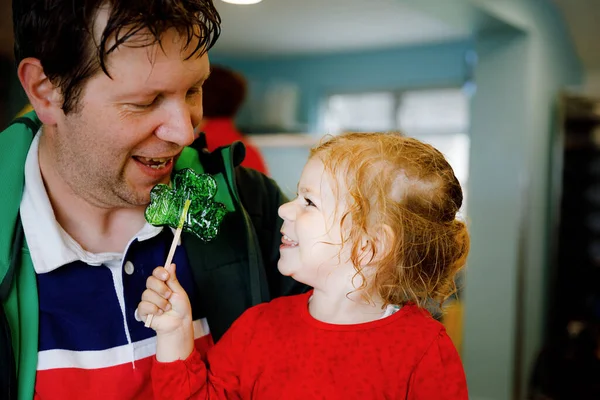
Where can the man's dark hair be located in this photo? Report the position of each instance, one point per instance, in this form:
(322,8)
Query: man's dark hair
(223,93)
(60,34)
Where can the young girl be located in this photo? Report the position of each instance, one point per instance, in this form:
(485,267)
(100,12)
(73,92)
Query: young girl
(374,232)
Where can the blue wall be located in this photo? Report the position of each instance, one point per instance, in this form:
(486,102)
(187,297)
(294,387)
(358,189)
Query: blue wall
(407,67)
(316,76)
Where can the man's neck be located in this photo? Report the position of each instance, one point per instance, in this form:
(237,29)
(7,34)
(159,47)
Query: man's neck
(97,229)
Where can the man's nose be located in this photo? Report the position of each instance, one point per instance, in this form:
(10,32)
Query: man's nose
(179,127)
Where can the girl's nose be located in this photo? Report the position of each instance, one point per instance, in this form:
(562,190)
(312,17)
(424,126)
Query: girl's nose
(287,211)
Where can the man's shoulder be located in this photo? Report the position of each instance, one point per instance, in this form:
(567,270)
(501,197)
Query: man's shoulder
(257,191)
(227,160)
(249,177)
(20,132)
(23,122)
(15,142)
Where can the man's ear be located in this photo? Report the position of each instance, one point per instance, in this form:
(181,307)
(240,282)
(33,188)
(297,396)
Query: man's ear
(44,97)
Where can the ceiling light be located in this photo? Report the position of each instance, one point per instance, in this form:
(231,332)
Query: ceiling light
(242,1)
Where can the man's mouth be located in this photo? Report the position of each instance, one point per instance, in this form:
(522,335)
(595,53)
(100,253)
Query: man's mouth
(154,163)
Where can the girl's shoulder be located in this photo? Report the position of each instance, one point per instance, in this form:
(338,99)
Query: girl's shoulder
(276,307)
(414,321)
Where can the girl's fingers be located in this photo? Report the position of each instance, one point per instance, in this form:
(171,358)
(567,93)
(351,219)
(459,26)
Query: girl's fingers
(152,297)
(160,273)
(172,281)
(159,287)
(145,308)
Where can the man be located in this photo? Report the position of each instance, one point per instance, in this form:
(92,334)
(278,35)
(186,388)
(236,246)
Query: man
(116,89)
(224,92)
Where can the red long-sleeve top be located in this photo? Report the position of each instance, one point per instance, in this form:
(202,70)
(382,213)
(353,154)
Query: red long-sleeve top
(278,351)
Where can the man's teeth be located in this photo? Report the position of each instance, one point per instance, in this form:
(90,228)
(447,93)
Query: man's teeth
(158,166)
(155,163)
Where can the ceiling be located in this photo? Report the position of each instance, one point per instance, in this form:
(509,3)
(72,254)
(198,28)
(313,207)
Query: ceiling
(307,26)
(583,22)
(319,26)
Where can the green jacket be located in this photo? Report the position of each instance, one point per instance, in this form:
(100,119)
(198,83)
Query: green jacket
(235,271)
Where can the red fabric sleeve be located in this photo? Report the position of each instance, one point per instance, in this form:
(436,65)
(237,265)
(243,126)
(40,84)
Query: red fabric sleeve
(179,379)
(190,378)
(439,374)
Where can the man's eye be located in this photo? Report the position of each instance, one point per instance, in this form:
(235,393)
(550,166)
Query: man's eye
(194,91)
(144,106)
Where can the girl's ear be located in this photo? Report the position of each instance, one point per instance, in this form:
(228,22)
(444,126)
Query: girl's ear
(374,249)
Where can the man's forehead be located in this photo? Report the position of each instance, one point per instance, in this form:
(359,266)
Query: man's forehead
(135,38)
(100,22)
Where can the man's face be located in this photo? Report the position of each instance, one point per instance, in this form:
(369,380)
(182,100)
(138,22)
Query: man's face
(128,131)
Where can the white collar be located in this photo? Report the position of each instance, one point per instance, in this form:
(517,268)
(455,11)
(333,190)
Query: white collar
(50,246)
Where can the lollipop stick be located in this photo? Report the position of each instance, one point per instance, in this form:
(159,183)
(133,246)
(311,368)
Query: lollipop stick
(177,233)
(173,248)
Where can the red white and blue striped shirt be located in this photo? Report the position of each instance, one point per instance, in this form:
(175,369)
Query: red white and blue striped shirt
(90,344)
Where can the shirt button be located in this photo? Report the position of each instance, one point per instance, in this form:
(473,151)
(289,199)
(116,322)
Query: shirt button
(129,268)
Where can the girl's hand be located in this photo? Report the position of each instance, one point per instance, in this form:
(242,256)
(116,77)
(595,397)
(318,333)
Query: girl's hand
(166,301)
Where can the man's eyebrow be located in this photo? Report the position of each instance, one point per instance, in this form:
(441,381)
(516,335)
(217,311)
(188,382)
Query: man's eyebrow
(155,92)
(202,80)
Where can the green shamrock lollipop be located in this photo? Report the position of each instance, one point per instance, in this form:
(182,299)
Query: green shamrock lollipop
(189,206)
(167,203)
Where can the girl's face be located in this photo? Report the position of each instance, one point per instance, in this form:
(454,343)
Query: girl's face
(311,244)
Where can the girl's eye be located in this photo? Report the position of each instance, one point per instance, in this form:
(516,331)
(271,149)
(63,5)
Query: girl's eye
(305,200)
(309,203)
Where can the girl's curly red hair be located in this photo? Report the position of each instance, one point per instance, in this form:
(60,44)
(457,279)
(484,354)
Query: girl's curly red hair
(405,190)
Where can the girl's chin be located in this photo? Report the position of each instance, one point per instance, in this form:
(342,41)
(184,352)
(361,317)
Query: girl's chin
(283,270)
(287,271)
(294,276)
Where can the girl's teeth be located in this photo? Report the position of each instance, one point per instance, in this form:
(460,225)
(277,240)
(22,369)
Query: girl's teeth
(291,242)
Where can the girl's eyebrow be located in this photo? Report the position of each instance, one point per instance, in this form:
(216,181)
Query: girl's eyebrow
(306,190)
